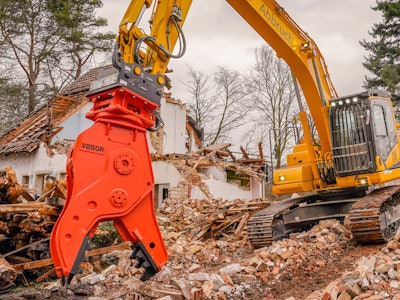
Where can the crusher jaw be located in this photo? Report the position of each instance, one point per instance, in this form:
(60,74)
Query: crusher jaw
(110,178)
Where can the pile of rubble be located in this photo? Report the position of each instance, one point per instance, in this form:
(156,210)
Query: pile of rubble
(374,277)
(207,264)
(199,220)
(310,251)
(209,258)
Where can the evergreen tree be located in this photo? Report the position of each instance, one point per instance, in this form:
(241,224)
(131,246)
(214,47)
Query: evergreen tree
(383,60)
(79,28)
(12,103)
(27,35)
(45,44)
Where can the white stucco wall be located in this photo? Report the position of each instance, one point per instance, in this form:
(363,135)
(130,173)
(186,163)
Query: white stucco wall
(166,173)
(215,172)
(75,124)
(36,165)
(174,118)
(258,186)
(221,189)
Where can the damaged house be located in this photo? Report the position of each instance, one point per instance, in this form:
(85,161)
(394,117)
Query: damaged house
(38,146)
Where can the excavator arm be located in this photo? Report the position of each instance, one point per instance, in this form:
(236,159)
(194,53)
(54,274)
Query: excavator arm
(300,52)
(154,50)
(109,168)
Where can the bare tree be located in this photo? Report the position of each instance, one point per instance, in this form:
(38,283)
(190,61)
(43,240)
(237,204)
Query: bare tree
(232,105)
(254,134)
(275,106)
(202,105)
(218,104)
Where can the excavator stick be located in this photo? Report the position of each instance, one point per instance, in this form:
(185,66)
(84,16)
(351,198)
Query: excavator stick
(110,178)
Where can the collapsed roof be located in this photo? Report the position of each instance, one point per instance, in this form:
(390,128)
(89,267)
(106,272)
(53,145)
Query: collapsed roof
(43,123)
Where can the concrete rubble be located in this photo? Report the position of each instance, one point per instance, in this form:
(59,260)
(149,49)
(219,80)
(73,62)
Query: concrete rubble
(210,258)
(222,265)
(225,268)
(374,277)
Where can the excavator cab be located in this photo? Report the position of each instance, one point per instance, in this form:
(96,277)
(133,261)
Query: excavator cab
(363,132)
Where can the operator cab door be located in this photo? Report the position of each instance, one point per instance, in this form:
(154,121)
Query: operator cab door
(384,131)
(352,139)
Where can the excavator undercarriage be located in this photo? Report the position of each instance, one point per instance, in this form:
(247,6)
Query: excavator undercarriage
(373,218)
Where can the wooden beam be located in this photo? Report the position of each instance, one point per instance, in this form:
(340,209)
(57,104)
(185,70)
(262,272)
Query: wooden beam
(49,261)
(251,160)
(231,155)
(45,275)
(260,150)
(25,247)
(26,207)
(215,147)
(244,153)
(27,196)
(242,224)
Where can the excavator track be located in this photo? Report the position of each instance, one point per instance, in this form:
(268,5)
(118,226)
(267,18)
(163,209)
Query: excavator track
(376,217)
(265,226)
(373,218)
(282,218)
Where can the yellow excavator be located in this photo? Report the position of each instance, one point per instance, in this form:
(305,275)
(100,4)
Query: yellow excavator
(344,170)
(351,168)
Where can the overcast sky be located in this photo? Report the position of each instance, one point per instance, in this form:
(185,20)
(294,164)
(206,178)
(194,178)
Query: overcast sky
(217,36)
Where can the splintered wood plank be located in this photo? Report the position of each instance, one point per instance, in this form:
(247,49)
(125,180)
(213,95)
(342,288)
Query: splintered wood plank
(242,224)
(28,207)
(244,153)
(260,150)
(215,147)
(49,261)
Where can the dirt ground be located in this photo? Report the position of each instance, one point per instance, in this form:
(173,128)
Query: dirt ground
(306,279)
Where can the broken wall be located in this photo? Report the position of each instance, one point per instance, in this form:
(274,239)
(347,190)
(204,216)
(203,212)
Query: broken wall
(173,136)
(223,190)
(75,124)
(31,169)
(186,182)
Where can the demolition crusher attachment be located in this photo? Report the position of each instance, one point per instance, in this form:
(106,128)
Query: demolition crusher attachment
(110,176)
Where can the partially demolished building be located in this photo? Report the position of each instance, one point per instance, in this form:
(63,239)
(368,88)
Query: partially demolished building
(38,146)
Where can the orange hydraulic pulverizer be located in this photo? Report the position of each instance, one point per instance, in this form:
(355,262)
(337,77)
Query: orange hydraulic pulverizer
(110,174)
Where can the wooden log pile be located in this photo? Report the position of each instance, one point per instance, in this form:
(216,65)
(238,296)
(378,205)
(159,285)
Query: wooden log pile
(10,190)
(25,229)
(25,223)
